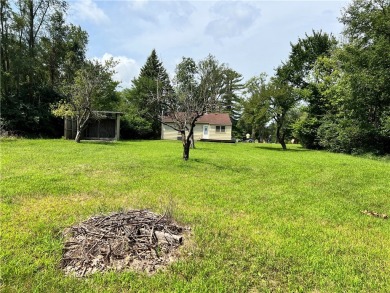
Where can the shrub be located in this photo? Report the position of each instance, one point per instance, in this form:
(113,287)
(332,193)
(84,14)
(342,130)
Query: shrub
(305,129)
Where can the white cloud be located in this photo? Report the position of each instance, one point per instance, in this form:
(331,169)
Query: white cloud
(138,4)
(232,19)
(126,69)
(89,11)
(251,36)
(157,13)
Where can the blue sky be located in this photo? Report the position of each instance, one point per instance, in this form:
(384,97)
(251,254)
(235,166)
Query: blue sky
(250,36)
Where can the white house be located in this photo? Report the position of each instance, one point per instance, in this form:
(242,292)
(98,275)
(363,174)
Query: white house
(209,127)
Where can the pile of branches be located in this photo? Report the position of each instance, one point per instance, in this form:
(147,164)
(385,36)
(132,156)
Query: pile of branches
(137,239)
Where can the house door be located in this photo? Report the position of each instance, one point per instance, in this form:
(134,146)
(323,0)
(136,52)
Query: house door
(205,131)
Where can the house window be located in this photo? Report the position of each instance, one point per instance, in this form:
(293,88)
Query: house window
(220,128)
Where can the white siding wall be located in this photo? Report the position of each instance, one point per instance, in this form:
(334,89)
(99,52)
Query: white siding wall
(198,131)
(220,135)
(171,134)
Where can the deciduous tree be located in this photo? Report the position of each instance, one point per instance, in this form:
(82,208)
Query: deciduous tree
(282,100)
(255,104)
(297,71)
(356,81)
(37,46)
(197,90)
(92,89)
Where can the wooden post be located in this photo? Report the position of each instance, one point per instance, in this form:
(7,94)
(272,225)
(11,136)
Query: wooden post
(66,127)
(118,125)
(74,128)
(98,127)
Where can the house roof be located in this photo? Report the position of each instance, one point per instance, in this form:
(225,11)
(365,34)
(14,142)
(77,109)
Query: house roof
(215,118)
(209,118)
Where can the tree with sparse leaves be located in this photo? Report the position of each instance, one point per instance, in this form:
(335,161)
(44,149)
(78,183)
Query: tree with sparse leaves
(197,89)
(92,89)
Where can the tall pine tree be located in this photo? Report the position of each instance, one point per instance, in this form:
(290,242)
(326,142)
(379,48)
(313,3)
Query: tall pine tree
(152,81)
(230,101)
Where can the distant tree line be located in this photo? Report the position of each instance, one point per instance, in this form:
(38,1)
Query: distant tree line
(327,94)
(42,57)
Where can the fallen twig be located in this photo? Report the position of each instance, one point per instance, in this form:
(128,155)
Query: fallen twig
(375,214)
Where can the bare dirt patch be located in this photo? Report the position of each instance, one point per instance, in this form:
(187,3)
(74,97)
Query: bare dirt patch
(136,239)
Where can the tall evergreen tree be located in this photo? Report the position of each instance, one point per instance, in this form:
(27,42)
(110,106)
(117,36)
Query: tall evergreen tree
(230,100)
(153,81)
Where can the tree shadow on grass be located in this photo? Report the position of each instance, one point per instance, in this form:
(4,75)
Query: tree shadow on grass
(100,142)
(220,166)
(280,149)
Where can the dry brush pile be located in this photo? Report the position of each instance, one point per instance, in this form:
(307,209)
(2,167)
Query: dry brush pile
(137,239)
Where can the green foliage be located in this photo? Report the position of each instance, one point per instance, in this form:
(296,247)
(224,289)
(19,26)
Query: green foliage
(269,101)
(62,109)
(262,219)
(230,100)
(153,80)
(133,125)
(303,56)
(305,129)
(282,99)
(340,136)
(360,96)
(300,71)
(92,90)
(346,89)
(255,114)
(38,52)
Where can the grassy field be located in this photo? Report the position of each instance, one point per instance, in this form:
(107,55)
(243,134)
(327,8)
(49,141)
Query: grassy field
(262,219)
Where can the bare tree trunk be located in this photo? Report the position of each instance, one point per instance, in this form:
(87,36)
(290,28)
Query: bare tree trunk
(188,141)
(78,136)
(186,151)
(186,145)
(280,137)
(78,131)
(253,134)
(82,122)
(192,140)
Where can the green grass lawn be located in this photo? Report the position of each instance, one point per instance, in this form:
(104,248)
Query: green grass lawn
(262,219)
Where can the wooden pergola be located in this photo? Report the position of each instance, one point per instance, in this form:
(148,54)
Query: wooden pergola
(104,125)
